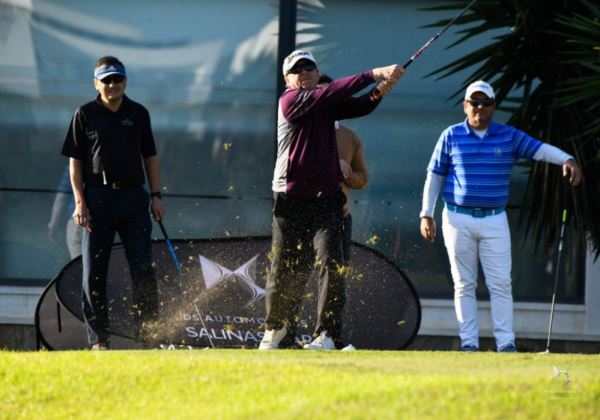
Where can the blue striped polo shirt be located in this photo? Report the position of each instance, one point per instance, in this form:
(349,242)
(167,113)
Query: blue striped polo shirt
(478,170)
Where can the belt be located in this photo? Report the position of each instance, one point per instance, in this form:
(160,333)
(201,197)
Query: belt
(475,211)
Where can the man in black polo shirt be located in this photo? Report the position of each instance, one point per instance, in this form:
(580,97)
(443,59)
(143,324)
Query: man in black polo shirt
(107,141)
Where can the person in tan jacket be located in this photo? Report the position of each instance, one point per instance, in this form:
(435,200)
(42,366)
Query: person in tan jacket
(356,176)
(354,168)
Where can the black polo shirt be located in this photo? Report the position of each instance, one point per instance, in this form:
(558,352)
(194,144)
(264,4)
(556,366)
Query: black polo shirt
(113,142)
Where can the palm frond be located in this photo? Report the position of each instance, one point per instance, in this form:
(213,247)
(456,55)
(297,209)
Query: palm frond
(550,55)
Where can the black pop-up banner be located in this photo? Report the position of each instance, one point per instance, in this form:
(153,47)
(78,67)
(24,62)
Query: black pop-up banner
(217,300)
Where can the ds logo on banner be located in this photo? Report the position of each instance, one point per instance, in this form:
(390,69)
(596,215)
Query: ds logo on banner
(214,274)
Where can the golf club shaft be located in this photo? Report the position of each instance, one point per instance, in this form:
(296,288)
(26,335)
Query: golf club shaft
(178,264)
(436,36)
(558,261)
(170,246)
(378,88)
(204,326)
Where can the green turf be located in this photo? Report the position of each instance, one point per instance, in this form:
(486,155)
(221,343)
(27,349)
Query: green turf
(224,384)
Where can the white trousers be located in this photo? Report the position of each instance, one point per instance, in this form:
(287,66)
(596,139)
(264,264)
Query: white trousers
(468,240)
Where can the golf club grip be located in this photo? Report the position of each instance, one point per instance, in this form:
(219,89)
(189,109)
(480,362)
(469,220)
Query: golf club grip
(162,228)
(566,193)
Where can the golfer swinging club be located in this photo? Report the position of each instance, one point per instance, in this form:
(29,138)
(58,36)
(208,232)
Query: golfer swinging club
(471,165)
(308,205)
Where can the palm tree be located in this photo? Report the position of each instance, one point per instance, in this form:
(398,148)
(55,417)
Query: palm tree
(550,55)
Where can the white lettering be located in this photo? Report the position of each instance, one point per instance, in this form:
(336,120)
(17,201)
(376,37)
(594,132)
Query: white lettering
(251,337)
(191,332)
(230,319)
(240,336)
(218,337)
(237,335)
(304,339)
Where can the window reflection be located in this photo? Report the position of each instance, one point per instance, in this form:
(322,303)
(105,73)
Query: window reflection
(210,90)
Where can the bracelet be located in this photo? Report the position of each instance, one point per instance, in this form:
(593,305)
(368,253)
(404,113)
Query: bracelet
(156,194)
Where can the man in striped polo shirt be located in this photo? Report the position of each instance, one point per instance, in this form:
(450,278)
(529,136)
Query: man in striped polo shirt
(471,165)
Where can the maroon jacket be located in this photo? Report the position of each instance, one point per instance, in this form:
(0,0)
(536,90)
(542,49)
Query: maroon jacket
(307,163)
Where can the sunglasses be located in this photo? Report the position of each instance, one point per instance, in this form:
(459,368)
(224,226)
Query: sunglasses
(114,78)
(297,69)
(485,102)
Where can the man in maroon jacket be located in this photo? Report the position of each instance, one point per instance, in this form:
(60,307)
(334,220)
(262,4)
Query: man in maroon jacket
(308,205)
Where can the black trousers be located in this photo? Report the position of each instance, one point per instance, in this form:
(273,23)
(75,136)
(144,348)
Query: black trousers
(347,238)
(126,212)
(306,236)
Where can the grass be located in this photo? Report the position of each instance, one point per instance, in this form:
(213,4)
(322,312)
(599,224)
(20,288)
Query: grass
(223,384)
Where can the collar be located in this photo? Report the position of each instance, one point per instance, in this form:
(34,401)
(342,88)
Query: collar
(124,103)
(492,129)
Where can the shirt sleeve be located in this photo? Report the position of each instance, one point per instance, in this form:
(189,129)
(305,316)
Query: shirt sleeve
(356,107)
(525,145)
(551,154)
(431,190)
(148,147)
(358,164)
(440,159)
(76,138)
(297,103)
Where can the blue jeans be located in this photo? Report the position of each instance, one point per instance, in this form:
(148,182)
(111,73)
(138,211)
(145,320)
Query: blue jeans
(125,211)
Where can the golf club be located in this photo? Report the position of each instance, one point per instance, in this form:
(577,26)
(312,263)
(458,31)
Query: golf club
(565,200)
(436,36)
(170,246)
(380,85)
(204,325)
(179,268)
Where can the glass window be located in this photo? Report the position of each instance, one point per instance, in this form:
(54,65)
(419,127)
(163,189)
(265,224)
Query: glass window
(399,137)
(204,70)
(207,72)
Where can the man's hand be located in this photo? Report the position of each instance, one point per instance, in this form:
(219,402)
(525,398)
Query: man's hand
(383,88)
(346,168)
(573,171)
(428,228)
(158,211)
(390,74)
(82,216)
(387,77)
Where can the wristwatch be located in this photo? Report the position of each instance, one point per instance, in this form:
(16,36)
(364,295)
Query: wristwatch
(156,194)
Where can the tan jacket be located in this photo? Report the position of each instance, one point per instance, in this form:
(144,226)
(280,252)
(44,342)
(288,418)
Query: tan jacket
(351,150)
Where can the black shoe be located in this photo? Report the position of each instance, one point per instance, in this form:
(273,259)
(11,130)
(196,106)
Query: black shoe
(469,349)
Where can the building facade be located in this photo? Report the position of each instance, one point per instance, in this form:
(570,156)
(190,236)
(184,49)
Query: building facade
(209,74)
